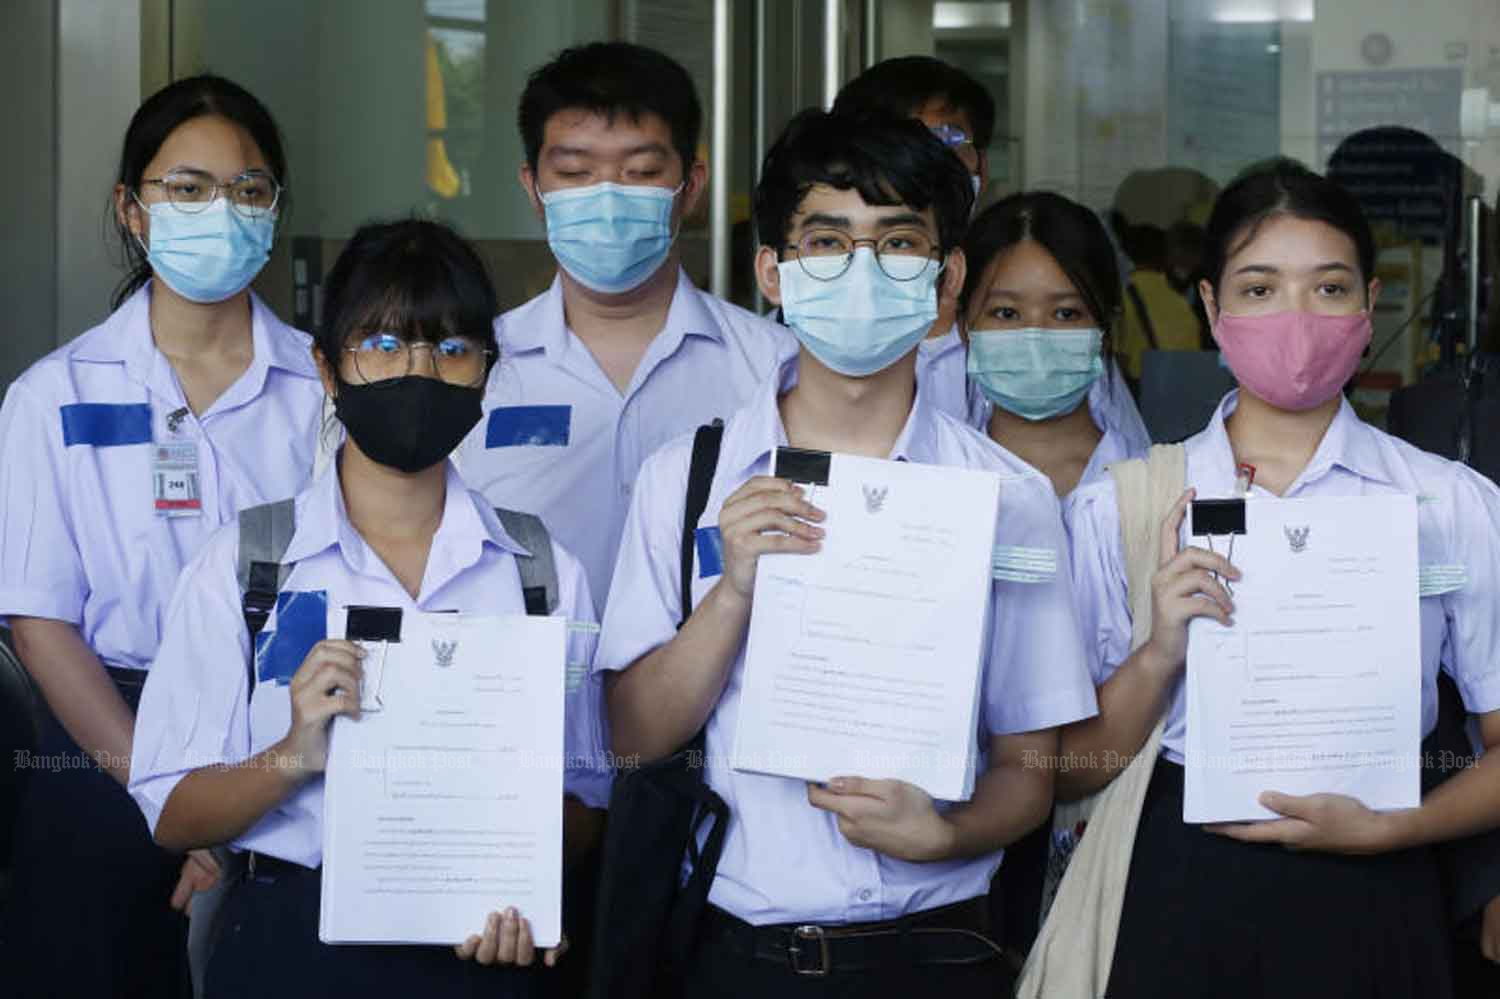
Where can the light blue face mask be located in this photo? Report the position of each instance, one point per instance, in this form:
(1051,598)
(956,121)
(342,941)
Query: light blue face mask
(211,255)
(1036,373)
(610,237)
(862,321)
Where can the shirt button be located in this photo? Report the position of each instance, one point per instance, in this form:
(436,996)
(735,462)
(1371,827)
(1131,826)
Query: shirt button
(865,895)
(625,489)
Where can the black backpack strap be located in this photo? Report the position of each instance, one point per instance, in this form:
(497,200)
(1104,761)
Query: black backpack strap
(700,481)
(265,533)
(538,570)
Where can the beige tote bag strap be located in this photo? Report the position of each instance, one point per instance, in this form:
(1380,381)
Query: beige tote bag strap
(1076,945)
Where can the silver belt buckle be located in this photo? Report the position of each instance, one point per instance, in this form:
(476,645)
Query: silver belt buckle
(803,935)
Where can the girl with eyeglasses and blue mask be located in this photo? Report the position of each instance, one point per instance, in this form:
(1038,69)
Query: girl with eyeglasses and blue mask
(122,452)
(1038,307)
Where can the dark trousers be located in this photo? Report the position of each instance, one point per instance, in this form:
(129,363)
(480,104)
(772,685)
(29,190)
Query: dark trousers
(268,946)
(723,967)
(89,912)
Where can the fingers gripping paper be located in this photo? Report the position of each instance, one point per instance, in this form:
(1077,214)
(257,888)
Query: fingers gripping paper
(1076,946)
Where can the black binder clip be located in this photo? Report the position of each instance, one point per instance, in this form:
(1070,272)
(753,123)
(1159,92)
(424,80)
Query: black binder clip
(1219,518)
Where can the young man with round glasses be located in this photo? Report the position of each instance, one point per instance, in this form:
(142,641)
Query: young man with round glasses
(859,886)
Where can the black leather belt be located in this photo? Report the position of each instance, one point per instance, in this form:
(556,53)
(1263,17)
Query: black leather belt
(953,934)
(264,867)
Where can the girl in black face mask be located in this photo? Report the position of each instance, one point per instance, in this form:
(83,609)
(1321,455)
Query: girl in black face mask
(404,353)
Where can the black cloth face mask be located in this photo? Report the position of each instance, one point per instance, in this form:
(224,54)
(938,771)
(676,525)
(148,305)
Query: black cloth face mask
(408,423)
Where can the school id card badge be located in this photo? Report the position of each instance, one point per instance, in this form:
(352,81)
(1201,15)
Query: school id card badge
(174,478)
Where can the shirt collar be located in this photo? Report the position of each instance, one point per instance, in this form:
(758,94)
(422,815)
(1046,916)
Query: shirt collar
(1348,443)
(542,323)
(757,429)
(125,337)
(323,522)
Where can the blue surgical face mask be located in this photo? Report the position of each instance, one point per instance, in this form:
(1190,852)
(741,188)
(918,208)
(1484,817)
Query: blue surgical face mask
(1036,373)
(211,255)
(862,321)
(610,237)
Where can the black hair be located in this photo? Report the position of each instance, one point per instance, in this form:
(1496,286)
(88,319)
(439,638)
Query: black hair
(904,85)
(612,78)
(414,277)
(889,160)
(1283,188)
(160,115)
(1073,235)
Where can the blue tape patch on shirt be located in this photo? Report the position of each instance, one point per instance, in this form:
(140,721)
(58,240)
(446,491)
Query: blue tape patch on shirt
(710,552)
(529,426)
(301,623)
(106,424)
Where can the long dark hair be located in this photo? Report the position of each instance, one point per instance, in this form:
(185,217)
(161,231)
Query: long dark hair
(1073,235)
(1283,188)
(156,119)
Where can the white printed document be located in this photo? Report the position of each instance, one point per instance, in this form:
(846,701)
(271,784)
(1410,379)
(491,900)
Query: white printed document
(1318,686)
(443,801)
(865,659)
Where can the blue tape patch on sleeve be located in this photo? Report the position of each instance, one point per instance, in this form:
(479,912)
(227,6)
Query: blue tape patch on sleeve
(529,426)
(301,623)
(106,424)
(710,552)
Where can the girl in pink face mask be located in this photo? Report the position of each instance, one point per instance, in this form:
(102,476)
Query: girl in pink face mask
(1353,906)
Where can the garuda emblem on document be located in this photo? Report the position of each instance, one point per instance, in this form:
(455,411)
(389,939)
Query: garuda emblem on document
(875,497)
(1296,537)
(443,652)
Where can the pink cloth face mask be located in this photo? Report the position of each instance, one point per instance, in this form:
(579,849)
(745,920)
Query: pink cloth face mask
(1293,360)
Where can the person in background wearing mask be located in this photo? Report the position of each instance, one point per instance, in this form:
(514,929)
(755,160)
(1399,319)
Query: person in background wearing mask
(961,113)
(622,353)
(123,451)
(220,757)
(859,220)
(1352,906)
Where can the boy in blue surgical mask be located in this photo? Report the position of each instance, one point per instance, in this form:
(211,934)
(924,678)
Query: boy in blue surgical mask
(820,888)
(622,353)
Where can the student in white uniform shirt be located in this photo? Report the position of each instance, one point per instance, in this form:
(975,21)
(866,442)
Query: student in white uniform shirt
(622,353)
(403,352)
(867,857)
(122,452)
(1352,906)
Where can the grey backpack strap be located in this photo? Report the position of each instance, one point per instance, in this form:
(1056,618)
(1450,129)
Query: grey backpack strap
(538,570)
(265,533)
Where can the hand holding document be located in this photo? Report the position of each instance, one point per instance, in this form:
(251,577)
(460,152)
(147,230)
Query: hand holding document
(1317,686)
(864,659)
(443,800)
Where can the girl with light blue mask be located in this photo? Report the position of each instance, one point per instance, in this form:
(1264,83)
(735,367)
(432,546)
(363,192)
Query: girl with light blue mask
(120,455)
(1041,297)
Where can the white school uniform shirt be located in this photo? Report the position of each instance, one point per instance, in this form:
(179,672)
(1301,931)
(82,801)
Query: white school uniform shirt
(80,538)
(783,860)
(1458,514)
(194,711)
(560,441)
(942,370)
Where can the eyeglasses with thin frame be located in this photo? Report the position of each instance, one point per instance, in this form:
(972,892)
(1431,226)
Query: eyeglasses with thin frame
(903,254)
(457,360)
(252,194)
(960,143)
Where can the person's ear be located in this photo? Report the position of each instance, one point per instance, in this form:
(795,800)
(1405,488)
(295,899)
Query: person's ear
(955,268)
(325,372)
(128,213)
(694,184)
(1210,307)
(1372,294)
(768,274)
(527,177)
(984,175)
